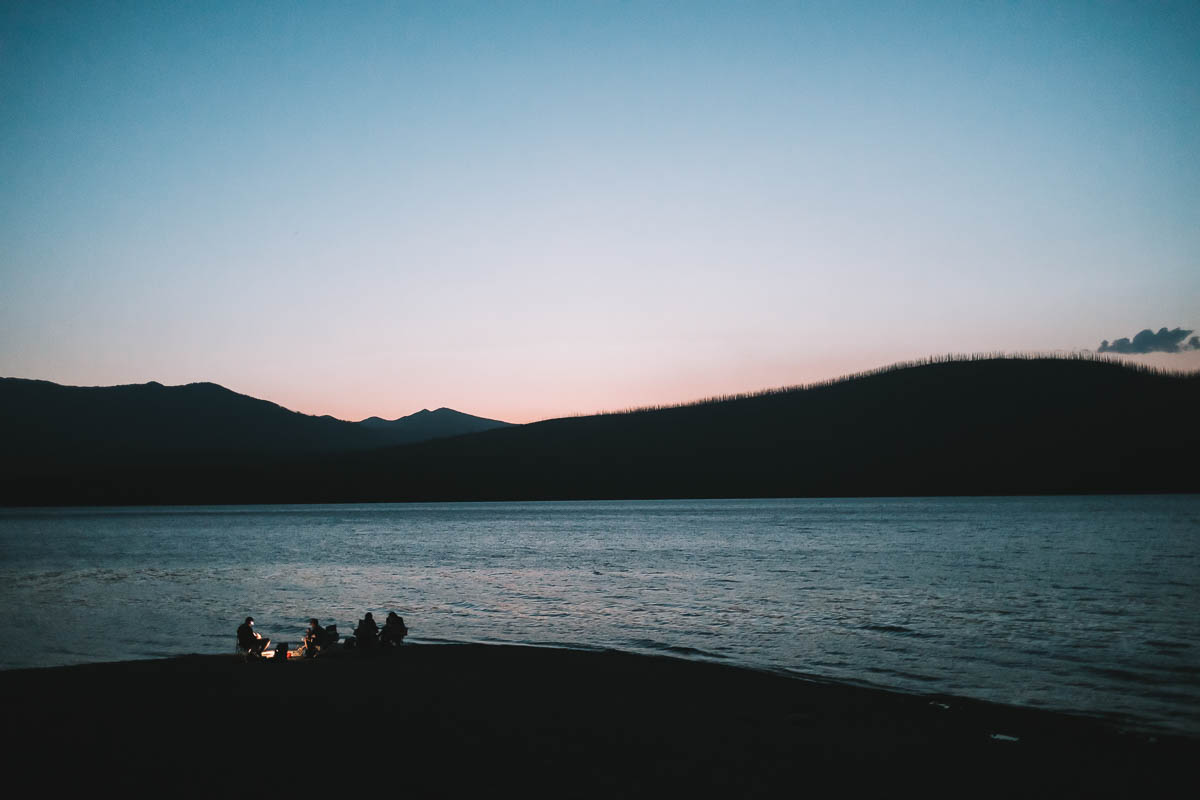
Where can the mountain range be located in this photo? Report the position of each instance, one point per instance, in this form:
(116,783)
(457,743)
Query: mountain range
(945,427)
(426,424)
(43,422)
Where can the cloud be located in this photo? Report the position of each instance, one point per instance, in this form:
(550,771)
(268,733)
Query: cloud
(1165,341)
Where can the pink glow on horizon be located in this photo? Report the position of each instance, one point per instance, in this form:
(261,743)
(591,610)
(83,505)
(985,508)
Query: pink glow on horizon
(532,397)
(518,401)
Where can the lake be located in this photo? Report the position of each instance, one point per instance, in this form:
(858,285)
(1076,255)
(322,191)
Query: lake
(1086,604)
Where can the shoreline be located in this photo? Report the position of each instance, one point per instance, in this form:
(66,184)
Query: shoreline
(1118,723)
(450,717)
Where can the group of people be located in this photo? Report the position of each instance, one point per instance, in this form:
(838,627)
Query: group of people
(367,636)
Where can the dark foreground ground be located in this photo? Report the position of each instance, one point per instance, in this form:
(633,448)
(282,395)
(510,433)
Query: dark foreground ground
(459,720)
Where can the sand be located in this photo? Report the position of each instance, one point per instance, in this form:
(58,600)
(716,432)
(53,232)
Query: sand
(463,720)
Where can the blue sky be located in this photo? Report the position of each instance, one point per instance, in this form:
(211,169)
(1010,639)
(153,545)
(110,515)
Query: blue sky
(525,210)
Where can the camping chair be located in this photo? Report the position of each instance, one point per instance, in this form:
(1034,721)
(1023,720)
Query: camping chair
(247,655)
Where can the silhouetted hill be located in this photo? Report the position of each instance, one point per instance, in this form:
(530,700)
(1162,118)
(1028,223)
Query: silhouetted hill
(426,424)
(993,426)
(45,423)
(960,427)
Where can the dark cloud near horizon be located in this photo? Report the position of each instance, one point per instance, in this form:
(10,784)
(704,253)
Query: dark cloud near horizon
(1165,341)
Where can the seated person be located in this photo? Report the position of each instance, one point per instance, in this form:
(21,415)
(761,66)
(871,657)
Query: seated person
(314,638)
(394,630)
(367,632)
(248,640)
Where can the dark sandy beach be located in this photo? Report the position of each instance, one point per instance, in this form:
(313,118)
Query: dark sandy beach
(463,719)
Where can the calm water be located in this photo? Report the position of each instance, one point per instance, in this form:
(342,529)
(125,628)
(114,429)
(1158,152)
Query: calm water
(1083,603)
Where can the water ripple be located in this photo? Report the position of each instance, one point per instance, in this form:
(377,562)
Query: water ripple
(1086,604)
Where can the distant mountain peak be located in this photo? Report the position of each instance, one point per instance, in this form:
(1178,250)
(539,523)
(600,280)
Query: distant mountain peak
(426,424)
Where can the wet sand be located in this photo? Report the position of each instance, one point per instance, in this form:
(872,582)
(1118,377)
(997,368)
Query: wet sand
(455,720)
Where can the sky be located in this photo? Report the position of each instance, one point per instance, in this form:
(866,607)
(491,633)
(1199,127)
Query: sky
(529,210)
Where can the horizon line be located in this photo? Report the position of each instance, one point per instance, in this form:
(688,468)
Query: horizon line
(1118,359)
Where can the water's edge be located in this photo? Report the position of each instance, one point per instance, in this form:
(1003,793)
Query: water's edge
(1084,605)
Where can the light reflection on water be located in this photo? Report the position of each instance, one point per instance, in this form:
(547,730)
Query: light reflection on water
(1086,604)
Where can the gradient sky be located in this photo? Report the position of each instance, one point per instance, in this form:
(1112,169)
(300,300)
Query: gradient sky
(524,210)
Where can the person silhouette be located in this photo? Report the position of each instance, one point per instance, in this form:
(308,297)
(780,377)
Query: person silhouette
(367,632)
(248,640)
(394,630)
(314,638)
